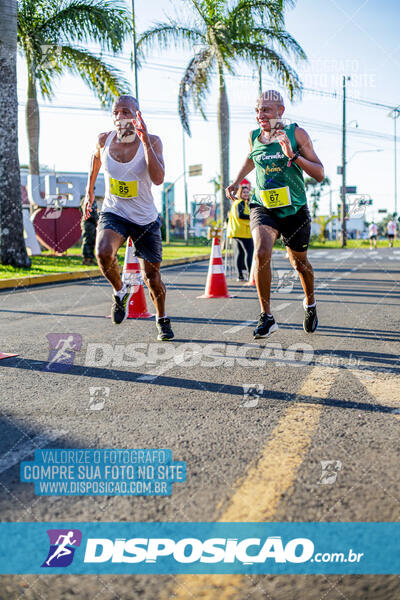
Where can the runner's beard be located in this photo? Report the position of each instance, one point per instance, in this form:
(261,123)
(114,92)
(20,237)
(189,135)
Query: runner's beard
(127,133)
(276,126)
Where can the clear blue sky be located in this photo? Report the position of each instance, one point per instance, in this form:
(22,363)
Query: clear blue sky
(354,37)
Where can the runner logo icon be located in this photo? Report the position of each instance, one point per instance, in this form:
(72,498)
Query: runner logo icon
(63,543)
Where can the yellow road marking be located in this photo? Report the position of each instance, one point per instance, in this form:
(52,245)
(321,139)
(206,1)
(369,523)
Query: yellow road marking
(384,388)
(259,493)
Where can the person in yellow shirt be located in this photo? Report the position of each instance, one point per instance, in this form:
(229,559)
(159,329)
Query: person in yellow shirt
(239,230)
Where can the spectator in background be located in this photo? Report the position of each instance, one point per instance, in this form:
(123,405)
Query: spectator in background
(391,232)
(88,228)
(373,233)
(239,230)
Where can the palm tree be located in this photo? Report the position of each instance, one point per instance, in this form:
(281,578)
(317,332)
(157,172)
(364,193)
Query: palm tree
(323,222)
(48,34)
(224,33)
(12,244)
(316,187)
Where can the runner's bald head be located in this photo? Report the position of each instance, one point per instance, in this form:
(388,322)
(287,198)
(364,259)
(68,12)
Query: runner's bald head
(271,96)
(129,101)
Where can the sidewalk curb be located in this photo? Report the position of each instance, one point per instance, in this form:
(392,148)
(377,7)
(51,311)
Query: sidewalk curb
(31,280)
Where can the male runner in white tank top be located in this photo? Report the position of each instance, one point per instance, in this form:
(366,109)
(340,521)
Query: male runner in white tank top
(391,232)
(132,160)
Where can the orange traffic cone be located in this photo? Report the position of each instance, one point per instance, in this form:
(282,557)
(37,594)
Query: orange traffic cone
(131,274)
(216,283)
(6,355)
(251,280)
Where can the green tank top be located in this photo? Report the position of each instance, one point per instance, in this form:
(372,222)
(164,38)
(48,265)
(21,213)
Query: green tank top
(272,171)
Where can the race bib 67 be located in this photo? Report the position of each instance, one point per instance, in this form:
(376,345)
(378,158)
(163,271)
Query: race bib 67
(275,198)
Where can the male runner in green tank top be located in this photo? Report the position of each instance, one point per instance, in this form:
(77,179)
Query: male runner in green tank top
(279,154)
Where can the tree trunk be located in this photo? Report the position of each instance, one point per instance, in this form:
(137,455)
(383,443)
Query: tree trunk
(223,133)
(32,123)
(12,243)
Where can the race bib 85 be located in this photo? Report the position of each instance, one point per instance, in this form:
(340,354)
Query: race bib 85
(123,189)
(275,198)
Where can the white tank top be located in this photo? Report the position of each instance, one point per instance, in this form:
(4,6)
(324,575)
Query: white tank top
(391,227)
(373,229)
(128,186)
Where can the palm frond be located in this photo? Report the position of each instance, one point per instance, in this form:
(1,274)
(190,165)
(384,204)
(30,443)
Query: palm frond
(104,80)
(215,9)
(164,33)
(270,10)
(282,37)
(274,64)
(195,85)
(45,74)
(201,8)
(103,21)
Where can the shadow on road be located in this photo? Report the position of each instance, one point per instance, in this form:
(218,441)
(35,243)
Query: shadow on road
(191,384)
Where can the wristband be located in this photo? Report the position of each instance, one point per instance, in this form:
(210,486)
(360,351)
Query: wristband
(294,157)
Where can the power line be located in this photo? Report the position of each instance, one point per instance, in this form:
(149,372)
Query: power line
(330,94)
(239,115)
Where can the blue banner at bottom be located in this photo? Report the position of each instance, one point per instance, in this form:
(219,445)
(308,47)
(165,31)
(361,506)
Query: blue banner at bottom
(200,548)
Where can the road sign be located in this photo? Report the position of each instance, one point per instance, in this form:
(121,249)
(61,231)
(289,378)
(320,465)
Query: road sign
(195,170)
(365,202)
(350,189)
(339,170)
(382,210)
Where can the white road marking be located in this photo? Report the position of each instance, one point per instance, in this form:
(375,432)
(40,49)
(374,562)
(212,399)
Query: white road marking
(240,326)
(175,362)
(20,451)
(318,253)
(282,306)
(343,256)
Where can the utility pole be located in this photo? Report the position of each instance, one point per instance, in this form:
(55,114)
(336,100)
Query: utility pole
(135,51)
(395,162)
(186,224)
(343,194)
(330,214)
(395,114)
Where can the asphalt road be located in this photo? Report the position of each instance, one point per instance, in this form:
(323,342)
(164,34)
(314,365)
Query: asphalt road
(331,396)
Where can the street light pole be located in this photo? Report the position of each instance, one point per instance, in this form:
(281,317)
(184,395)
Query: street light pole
(186,224)
(135,51)
(343,194)
(395,114)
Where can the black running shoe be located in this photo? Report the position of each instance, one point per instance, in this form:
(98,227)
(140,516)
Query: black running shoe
(265,326)
(165,332)
(310,322)
(120,307)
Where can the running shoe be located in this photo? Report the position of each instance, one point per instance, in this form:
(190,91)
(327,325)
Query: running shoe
(310,322)
(120,307)
(265,326)
(165,332)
